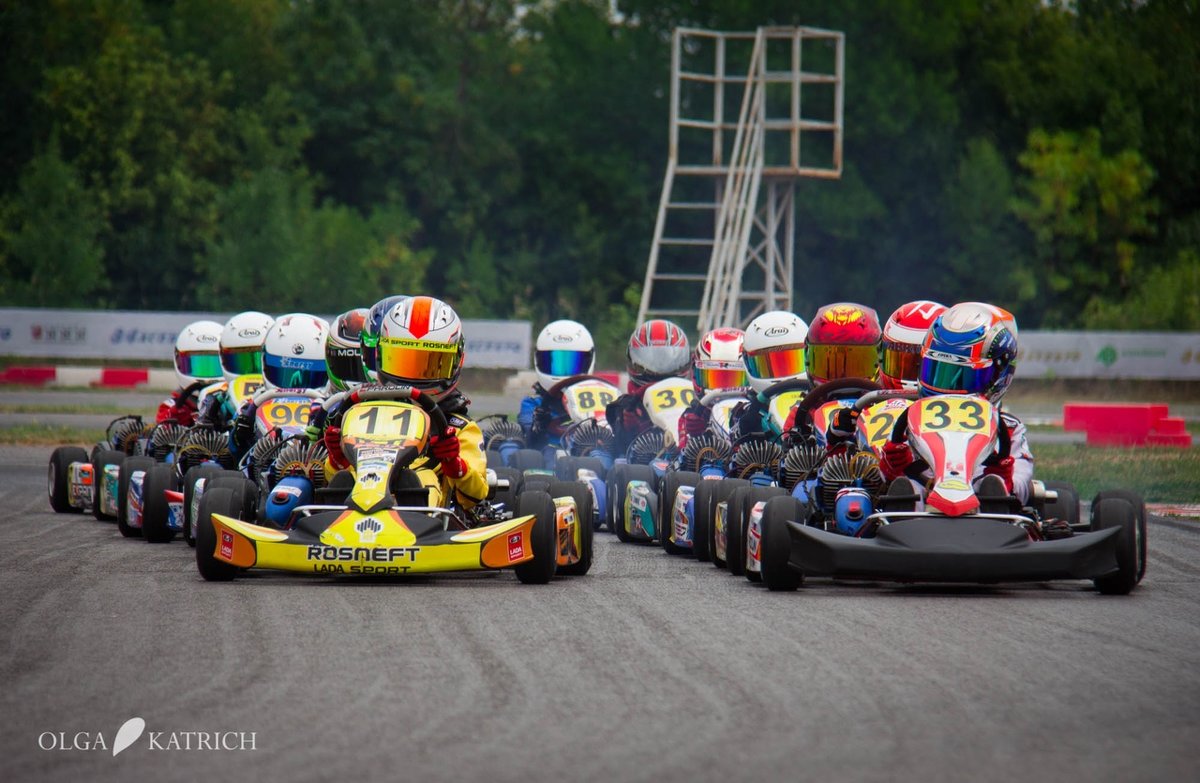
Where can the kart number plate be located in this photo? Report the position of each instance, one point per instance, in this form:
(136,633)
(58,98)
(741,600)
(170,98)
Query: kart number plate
(671,394)
(956,414)
(244,387)
(284,412)
(385,423)
(876,423)
(588,400)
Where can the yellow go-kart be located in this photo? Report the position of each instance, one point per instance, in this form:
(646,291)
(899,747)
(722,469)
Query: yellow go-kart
(387,517)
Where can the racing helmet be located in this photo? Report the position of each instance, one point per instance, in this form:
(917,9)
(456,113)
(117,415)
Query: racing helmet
(421,344)
(294,353)
(717,363)
(343,354)
(242,343)
(843,342)
(564,348)
(370,333)
(198,353)
(657,349)
(903,335)
(970,349)
(773,349)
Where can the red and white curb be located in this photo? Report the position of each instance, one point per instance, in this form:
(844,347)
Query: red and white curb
(97,377)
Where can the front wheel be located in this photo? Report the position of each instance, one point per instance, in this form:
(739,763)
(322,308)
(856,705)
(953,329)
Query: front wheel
(1114,512)
(194,475)
(130,466)
(1139,510)
(101,459)
(583,524)
(59,477)
(156,511)
(213,501)
(542,567)
(671,484)
(776,544)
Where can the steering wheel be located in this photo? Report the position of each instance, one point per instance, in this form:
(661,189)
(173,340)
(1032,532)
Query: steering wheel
(791,384)
(557,388)
(840,389)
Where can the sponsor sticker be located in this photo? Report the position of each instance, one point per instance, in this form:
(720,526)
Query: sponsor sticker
(516,547)
(226,544)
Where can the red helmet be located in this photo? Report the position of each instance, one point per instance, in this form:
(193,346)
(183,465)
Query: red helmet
(657,349)
(843,342)
(903,335)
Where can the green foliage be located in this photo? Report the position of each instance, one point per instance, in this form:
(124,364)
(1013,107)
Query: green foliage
(50,255)
(508,156)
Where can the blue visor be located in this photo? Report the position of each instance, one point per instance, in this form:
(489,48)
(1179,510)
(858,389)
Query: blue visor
(945,377)
(563,364)
(284,372)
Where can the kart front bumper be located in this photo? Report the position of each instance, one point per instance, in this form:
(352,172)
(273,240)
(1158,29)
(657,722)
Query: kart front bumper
(965,549)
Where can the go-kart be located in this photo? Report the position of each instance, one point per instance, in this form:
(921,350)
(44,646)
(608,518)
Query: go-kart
(387,516)
(966,532)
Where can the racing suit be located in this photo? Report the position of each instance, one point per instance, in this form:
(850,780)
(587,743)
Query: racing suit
(180,406)
(628,418)
(541,418)
(469,488)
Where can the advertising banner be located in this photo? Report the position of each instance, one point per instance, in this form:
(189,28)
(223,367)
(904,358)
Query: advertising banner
(1142,355)
(122,334)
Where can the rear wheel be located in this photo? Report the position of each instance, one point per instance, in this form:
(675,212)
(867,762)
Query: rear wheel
(1066,507)
(738,527)
(101,459)
(1114,512)
(615,501)
(156,511)
(130,466)
(776,544)
(58,477)
(1139,509)
(195,474)
(218,500)
(544,543)
(629,473)
(494,459)
(526,459)
(583,521)
(665,522)
(722,493)
(508,496)
(565,467)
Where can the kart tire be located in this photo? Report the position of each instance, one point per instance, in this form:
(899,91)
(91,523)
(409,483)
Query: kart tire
(1117,512)
(155,509)
(508,496)
(494,459)
(623,474)
(776,544)
(102,458)
(527,459)
(195,474)
(1139,508)
(612,505)
(594,464)
(544,538)
(723,492)
(130,466)
(672,481)
(215,500)
(58,480)
(1066,507)
(564,468)
(765,494)
(739,514)
(706,491)
(583,516)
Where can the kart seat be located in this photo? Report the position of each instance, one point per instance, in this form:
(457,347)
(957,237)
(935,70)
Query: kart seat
(336,492)
(994,498)
(408,489)
(900,496)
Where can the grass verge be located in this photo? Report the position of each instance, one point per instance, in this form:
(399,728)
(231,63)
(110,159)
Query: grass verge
(1161,474)
(50,434)
(116,410)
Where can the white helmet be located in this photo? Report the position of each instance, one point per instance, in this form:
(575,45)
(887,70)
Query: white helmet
(421,344)
(717,361)
(774,349)
(294,353)
(564,348)
(242,343)
(198,353)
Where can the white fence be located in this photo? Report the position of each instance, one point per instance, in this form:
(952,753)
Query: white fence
(120,334)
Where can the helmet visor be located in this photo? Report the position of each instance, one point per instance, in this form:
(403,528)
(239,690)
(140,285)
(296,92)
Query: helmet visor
(417,360)
(829,362)
(242,361)
(285,372)
(946,377)
(784,361)
(719,375)
(198,364)
(563,364)
(901,361)
(345,365)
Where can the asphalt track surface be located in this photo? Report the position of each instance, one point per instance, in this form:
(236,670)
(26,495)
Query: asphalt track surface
(650,668)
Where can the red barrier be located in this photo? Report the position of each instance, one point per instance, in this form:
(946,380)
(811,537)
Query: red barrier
(34,376)
(1125,424)
(122,377)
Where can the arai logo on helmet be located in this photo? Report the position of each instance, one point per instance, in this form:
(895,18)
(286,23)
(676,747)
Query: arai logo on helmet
(249,333)
(563,338)
(207,338)
(776,331)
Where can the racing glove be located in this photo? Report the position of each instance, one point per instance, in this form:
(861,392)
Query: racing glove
(333,444)
(541,419)
(1004,469)
(841,424)
(694,420)
(446,449)
(631,420)
(242,432)
(895,459)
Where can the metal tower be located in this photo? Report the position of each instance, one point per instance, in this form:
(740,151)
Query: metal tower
(724,245)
